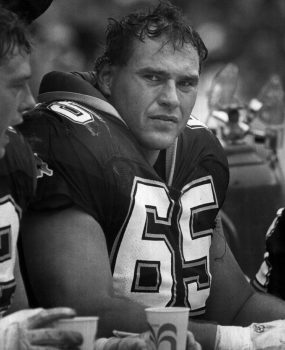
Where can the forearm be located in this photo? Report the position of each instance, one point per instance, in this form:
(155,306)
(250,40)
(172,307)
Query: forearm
(260,307)
(120,314)
(128,316)
(251,312)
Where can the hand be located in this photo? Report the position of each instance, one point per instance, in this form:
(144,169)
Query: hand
(133,342)
(138,342)
(269,335)
(32,330)
(191,343)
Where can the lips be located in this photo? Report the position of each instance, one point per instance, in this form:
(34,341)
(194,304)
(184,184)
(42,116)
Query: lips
(165,118)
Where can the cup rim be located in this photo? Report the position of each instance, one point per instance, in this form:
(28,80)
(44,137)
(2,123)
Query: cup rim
(168,309)
(79,319)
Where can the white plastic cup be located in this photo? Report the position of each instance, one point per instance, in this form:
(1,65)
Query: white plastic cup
(168,327)
(87,326)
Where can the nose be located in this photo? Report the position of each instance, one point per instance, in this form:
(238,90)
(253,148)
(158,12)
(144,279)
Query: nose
(168,95)
(26,103)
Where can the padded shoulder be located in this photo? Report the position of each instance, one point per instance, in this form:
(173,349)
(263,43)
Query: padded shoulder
(77,82)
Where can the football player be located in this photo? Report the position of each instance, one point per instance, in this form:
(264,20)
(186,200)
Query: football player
(24,329)
(126,216)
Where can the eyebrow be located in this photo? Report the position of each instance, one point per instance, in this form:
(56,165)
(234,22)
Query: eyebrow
(151,70)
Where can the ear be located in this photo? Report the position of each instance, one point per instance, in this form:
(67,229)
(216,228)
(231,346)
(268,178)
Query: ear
(104,79)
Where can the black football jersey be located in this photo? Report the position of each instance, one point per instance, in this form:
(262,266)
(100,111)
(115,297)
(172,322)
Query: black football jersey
(17,186)
(158,221)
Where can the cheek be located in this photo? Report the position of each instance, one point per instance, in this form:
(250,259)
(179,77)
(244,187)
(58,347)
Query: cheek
(188,103)
(129,104)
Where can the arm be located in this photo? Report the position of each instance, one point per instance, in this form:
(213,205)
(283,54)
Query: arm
(67,249)
(232,299)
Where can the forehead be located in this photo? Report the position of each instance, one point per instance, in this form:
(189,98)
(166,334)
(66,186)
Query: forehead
(16,65)
(157,53)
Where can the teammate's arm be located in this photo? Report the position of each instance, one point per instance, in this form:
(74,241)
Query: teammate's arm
(232,299)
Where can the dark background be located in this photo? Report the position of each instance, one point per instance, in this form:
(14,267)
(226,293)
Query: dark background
(250,34)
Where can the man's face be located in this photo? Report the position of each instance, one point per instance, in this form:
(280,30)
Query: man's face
(155,91)
(15,94)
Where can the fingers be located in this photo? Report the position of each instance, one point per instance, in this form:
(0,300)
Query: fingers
(54,337)
(128,343)
(132,343)
(19,316)
(48,316)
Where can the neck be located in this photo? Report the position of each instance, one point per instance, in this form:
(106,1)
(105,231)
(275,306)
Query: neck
(150,155)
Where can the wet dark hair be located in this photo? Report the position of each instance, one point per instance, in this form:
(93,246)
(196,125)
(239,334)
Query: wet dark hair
(164,20)
(13,33)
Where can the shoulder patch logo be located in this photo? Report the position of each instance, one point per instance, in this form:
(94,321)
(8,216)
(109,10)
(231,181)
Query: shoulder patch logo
(42,167)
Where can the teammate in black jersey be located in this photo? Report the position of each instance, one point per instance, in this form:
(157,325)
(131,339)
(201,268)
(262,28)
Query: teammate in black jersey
(26,329)
(126,216)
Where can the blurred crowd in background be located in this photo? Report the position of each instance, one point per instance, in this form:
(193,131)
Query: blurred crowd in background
(250,34)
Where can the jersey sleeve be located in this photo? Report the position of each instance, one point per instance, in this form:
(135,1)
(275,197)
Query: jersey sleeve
(63,163)
(82,162)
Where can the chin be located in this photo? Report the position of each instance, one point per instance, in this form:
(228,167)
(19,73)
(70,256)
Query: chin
(161,143)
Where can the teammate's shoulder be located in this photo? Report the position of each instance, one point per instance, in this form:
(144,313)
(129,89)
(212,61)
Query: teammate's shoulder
(18,165)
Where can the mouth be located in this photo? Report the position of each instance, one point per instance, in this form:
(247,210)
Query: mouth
(164,118)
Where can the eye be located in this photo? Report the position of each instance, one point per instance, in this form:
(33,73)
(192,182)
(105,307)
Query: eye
(18,86)
(187,84)
(152,77)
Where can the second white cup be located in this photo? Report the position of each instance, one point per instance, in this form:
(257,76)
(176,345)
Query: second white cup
(168,327)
